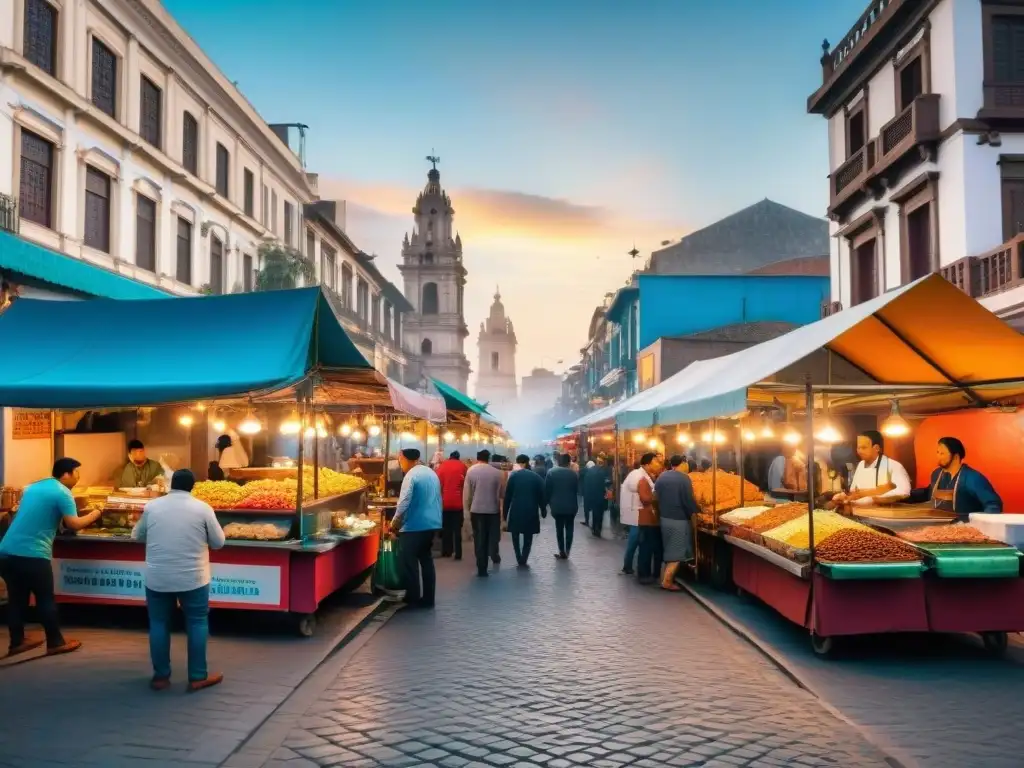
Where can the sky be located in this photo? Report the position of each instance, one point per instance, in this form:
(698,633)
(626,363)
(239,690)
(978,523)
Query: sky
(568,130)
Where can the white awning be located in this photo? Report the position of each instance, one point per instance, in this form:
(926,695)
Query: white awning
(418,404)
(927,334)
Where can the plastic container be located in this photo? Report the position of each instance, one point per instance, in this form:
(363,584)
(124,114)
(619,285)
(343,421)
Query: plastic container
(1008,528)
(973,561)
(871,571)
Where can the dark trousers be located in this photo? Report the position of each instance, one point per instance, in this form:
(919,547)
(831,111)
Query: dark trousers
(522,549)
(26,576)
(414,559)
(486,532)
(563,532)
(597,519)
(451,533)
(649,564)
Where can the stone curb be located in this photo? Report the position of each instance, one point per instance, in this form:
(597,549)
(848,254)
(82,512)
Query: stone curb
(269,736)
(893,755)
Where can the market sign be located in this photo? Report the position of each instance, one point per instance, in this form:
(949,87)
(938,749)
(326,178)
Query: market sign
(31,425)
(256,585)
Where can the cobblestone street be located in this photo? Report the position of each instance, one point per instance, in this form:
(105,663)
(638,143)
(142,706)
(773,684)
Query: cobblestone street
(561,665)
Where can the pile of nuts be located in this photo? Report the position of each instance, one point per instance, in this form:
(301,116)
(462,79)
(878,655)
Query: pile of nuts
(855,546)
(946,534)
(776,516)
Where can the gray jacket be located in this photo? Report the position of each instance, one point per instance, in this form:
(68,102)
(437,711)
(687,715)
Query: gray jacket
(561,491)
(483,490)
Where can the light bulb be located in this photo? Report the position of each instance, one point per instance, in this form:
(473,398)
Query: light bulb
(219,425)
(432,439)
(449,437)
(200,407)
(607,437)
(186,420)
(476,435)
(767,432)
(465,438)
(791,437)
(250,425)
(357,435)
(828,434)
(291,425)
(652,443)
(309,432)
(894,424)
(683,438)
(374,430)
(749,436)
(345,430)
(639,438)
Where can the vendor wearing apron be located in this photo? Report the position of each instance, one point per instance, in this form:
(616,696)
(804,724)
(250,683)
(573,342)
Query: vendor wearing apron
(956,487)
(878,478)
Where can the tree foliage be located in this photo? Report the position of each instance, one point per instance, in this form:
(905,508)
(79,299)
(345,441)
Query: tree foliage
(281,267)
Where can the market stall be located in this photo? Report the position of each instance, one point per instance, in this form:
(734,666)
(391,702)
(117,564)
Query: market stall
(295,533)
(859,573)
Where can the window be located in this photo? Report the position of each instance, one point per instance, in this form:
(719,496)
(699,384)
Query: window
(1007,48)
(216,266)
(183,260)
(97,209)
(190,143)
(429,305)
(909,83)
(919,242)
(36,187)
(862,237)
(362,300)
(311,245)
(1002,28)
(104,78)
(40,46)
(387,319)
(428,258)
(375,313)
(265,208)
(223,170)
(328,273)
(249,192)
(494,361)
(426,347)
(398,328)
(289,212)
(145,233)
(856,128)
(1011,171)
(150,112)
(346,286)
(273,212)
(247,272)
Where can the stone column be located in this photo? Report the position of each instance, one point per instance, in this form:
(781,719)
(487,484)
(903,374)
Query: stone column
(130,84)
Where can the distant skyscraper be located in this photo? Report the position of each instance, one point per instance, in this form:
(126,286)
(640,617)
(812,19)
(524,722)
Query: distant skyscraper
(435,280)
(496,372)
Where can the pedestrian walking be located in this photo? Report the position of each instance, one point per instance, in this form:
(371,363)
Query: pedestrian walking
(561,489)
(524,506)
(630,504)
(179,531)
(583,477)
(650,550)
(482,497)
(676,508)
(26,552)
(539,466)
(595,487)
(417,520)
(452,475)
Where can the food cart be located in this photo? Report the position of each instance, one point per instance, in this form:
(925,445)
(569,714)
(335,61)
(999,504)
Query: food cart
(295,535)
(841,575)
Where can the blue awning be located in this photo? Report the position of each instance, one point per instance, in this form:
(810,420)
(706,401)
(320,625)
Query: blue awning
(39,263)
(107,353)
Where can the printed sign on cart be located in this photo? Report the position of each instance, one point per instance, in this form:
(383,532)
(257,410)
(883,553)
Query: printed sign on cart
(126,580)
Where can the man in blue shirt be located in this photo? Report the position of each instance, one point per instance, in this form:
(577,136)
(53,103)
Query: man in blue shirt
(27,549)
(417,519)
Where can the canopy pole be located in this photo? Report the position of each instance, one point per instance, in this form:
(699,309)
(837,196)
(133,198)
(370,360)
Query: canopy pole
(714,471)
(387,453)
(316,456)
(426,442)
(811,466)
(739,458)
(298,474)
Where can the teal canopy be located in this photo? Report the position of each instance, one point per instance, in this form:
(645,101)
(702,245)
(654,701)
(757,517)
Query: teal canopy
(106,353)
(455,400)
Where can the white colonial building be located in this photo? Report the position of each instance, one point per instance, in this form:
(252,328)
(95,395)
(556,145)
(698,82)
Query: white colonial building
(435,281)
(496,374)
(925,108)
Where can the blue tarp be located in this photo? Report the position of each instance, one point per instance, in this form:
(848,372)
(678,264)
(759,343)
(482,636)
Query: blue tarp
(126,353)
(39,263)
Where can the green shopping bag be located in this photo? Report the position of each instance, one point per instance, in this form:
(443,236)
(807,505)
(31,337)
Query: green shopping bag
(386,577)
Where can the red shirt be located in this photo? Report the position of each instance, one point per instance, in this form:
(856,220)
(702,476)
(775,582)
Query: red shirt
(452,474)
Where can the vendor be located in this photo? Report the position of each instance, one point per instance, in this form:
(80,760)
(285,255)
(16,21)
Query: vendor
(878,479)
(956,487)
(140,471)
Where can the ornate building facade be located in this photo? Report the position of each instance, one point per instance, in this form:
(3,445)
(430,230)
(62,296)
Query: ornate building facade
(435,280)
(496,374)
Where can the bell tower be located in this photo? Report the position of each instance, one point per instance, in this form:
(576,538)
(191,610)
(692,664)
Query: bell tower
(496,371)
(435,281)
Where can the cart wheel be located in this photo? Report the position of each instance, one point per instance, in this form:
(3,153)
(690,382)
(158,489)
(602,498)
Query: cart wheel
(307,624)
(995,642)
(823,646)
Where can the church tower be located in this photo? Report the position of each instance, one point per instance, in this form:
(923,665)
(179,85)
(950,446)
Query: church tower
(496,374)
(435,280)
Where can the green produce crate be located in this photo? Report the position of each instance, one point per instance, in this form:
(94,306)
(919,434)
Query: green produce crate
(865,571)
(973,561)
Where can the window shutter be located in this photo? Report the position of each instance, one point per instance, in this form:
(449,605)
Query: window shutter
(97,209)
(150,112)
(104,78)
(190,143)
(145,233)
(36,188)
(183,265)
(40,46)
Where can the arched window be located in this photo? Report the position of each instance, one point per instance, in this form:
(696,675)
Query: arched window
(429,305)
(426,347)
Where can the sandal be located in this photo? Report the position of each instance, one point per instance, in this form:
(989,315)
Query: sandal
(671,587)
(211,680)
(24,647)
(68,647)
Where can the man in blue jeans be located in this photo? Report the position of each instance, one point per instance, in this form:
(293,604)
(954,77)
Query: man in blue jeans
(179,531)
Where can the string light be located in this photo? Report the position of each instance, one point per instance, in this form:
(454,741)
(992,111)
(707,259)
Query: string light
(639,438)
(219,425)
(250,425)
(749,435)
(291,425)
(357,435)
(449,437)
(791,436)
(345,429)
(683,438)
(186,420)
(652,443)
(374,430)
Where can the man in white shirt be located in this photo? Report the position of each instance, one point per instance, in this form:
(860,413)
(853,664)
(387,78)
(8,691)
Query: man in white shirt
(179,531)
(878,478)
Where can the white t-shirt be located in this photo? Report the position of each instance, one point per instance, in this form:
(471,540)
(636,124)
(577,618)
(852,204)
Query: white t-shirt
(179,531)
(888,470)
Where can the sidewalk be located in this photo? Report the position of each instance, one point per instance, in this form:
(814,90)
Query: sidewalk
(566,664)
(94,707)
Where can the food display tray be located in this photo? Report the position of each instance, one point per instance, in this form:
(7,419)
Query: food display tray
(972,561)
(785,564)
(871,571)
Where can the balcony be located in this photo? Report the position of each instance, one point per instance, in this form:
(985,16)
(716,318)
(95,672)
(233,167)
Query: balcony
(916,127)
(859,35)
(8,214)
(848,179)
(829,308)
(1001,269)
